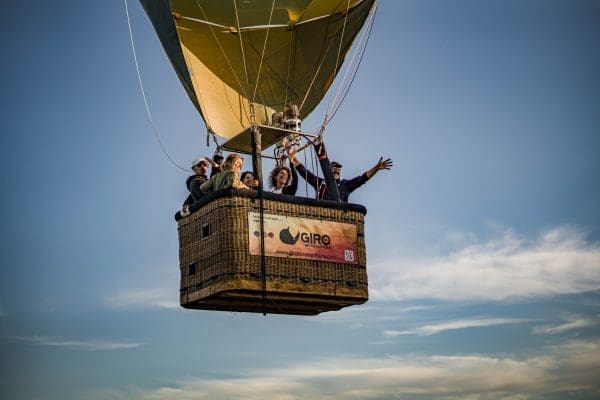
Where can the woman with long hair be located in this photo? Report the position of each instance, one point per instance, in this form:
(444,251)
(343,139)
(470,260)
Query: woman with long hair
(229,177)
(283,180)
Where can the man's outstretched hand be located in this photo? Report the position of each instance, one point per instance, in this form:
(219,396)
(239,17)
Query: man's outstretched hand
(381,164)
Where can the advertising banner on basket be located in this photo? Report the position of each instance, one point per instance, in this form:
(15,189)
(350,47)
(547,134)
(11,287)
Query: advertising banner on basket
(305,238)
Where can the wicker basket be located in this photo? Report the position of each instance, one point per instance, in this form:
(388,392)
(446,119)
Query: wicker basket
(219,273)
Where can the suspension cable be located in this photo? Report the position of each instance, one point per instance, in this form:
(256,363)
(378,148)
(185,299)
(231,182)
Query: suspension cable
(352,70)
(237,20)
(199,95)
(262,56)
(333,99)
(323,60)
(223,53)
(212,31)
(337,59)
(314,78)
(148,113)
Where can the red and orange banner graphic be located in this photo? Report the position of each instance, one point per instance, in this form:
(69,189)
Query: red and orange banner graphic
(305,238)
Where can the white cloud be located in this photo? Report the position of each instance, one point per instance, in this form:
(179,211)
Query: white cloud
(559,261)
(88,345)
(570,367)
(453,325)
(157,288)
(354,317)
(152,297)
(572,323)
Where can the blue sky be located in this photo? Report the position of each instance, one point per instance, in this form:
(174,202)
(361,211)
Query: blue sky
(483,240)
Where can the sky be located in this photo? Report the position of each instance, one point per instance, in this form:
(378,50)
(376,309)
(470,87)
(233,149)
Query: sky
(483,240)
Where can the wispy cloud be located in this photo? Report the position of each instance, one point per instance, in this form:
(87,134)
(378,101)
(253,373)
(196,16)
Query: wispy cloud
(432,329)
(559,261)
(88,345)
(572,322)
(153,297)
(372,312)
(570,367)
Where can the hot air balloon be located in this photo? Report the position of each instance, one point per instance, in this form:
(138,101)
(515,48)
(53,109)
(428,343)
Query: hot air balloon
(254,69)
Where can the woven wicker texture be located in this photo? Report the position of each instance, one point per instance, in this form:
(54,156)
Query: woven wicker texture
(218,273)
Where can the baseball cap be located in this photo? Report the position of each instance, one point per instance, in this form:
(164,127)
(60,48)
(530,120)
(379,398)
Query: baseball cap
(198,161)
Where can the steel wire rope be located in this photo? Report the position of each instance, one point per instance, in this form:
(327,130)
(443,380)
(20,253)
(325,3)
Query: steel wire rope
(311,163)
(346,83)
(198,93)
(263,265)
(305,177)
(237,20)
(337,60)
(327,51)
(262,56)
(262,100)
(318,69)
(314,77)
(212,31)
(352,69)
(148,113)
(321,64)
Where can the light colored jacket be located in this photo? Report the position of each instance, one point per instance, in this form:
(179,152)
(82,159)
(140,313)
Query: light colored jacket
(223,180)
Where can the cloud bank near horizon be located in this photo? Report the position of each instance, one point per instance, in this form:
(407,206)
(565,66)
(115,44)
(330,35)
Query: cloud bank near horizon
(568,367)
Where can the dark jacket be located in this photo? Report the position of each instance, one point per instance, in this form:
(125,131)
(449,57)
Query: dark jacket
(193,183)
(345,186)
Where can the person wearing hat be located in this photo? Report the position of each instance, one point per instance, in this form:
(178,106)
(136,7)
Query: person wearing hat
(345,186)
(200,168)
(193,182)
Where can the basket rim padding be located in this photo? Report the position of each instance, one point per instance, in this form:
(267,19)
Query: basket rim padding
(306,201)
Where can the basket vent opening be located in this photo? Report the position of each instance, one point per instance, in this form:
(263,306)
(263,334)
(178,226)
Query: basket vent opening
(205,231)
(192,269)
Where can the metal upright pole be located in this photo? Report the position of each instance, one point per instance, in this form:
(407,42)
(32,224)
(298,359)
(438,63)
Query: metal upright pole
(255,142)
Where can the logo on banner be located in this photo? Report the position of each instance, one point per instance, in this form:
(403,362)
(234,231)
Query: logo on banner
(294,237)
(315,240)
